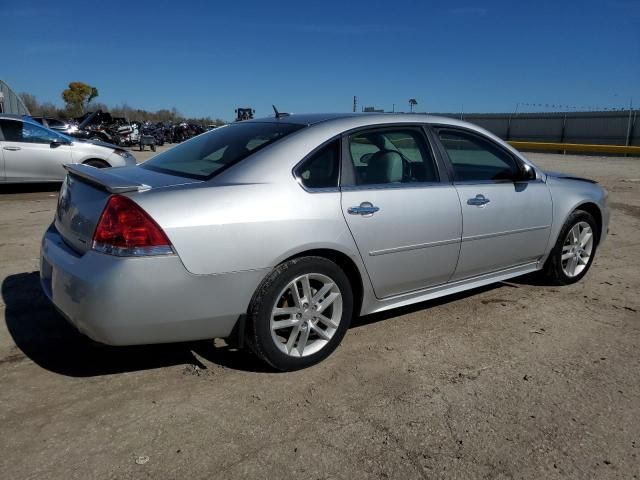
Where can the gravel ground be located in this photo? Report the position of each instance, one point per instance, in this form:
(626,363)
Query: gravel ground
(516,380)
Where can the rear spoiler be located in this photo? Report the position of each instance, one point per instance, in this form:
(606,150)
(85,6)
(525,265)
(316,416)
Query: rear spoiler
(105,179)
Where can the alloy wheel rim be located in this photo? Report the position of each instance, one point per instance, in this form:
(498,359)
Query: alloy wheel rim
(577,249)
(306,315)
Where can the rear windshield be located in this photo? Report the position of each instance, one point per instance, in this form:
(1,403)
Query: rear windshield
(210,153)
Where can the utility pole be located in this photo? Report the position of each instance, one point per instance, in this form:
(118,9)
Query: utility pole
(355,103)
(629,122)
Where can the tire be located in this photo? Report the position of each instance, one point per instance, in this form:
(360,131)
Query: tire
(153,148)
(97,163)
(559,271)
(275,345)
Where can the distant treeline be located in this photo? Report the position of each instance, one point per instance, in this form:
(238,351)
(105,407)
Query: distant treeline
(48,109)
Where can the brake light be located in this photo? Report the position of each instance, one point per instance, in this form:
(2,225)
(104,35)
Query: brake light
(125,229)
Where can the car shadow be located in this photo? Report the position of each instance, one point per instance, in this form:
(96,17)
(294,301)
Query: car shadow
(397,312)
(46,338)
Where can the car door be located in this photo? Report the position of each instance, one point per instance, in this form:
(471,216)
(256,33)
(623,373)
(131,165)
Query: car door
(402,211)
(30,154)
(507,220)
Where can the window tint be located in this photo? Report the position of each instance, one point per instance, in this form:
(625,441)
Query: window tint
(11,130)
(17,131)
(203,156)
(391,156)
(321,170)
(34,134)
(474,158)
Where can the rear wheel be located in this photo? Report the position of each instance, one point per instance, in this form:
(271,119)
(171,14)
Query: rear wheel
(97,163)
(574,250)
(300,313)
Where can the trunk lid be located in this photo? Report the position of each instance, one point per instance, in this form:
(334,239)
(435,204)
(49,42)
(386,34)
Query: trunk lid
(85,192)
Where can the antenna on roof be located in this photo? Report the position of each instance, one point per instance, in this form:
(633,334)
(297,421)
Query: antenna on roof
(279,114)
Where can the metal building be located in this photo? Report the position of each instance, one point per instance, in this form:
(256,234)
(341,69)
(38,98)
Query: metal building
(603,128)
(10,102)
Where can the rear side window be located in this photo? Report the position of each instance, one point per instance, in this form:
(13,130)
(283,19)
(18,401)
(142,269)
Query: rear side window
(395,155)
(476,159)
(11,130)
(321,170)
(207,154)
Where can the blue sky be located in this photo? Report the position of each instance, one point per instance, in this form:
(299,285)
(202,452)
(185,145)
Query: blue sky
(206,58)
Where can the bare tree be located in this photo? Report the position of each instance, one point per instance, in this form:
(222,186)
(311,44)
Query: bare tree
(30,102)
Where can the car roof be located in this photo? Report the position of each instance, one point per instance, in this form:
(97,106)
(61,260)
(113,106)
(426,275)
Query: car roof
(360,119)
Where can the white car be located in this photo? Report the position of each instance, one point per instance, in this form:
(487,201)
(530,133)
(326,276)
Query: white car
(30,152)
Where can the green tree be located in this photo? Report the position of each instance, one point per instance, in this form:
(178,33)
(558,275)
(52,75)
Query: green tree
(412,103)
(77,96)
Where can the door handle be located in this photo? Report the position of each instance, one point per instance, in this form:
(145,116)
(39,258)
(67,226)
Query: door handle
(11,148)
(365,209)
(479,200)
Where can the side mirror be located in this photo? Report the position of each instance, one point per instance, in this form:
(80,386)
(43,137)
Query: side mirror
(57,142)
(527,172)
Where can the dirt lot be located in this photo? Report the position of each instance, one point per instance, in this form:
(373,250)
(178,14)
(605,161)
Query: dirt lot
(514,381)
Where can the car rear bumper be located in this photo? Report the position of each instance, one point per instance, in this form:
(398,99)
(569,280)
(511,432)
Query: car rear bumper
(129,301)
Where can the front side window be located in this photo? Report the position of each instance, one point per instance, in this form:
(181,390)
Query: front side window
(476,159)
(207,154)
(322,169)
(391,156)
(35,134)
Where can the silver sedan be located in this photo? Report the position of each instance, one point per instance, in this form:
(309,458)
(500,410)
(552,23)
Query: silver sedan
(274,233)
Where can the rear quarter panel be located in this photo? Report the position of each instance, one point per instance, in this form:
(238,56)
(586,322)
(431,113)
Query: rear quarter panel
(238,227)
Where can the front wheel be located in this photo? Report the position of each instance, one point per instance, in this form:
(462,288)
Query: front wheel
(574,250)
(300,313)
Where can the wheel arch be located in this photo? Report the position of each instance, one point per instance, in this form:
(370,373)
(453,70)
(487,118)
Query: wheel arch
(348,266)
(594,210)
(563,208)
(94,159)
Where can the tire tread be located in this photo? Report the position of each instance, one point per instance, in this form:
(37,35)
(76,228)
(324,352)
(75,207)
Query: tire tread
(258,303)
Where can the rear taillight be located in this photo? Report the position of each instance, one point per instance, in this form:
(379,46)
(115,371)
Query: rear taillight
(125,229)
